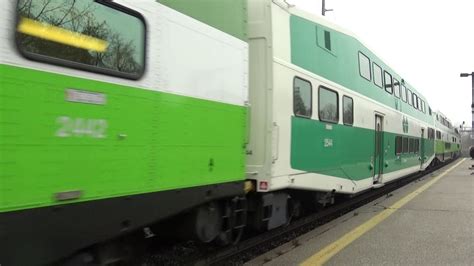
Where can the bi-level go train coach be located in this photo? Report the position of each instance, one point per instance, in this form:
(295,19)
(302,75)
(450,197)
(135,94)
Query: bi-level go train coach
(214,115)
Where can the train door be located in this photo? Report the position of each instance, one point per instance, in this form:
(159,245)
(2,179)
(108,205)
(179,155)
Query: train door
(422,148)
(443,146)
(378,153)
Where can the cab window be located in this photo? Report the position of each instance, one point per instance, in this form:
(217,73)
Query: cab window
(302,97)
(396,88)
(398,145)
(90,35)
(405,145)
(328,105)
(377,75)
(404,93)
(364,66)
(388,82)
(410,97)
(348,110)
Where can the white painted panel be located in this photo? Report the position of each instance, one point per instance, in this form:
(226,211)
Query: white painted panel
(388,177)
(318,182)
(281,40)
(199,62)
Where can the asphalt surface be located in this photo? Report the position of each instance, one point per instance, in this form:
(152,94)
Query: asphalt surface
(434,228)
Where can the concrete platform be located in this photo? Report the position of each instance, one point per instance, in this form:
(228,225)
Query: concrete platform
(428,222)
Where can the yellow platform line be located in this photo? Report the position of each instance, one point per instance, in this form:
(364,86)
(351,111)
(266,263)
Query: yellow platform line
(329,251)
(60,35)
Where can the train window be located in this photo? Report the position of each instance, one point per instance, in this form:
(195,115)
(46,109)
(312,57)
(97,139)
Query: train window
(86,34)
(423,108)
(417,146)
(302,97)
(377,75)
(405,145)
(348,110)
(398,145)
(410,97)
(415,101)
(327,40)
(328,105)
(396,88)
(431,133)
(364,66)
(388,82)
(404,93)
(411,145)
(429,109)
(419,104)
(438,134)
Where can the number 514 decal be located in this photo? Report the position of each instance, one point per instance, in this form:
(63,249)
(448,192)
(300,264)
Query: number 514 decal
(81,127)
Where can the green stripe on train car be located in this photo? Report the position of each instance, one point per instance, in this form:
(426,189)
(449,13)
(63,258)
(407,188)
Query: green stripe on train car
(229,16)
(344,151)
(152,141)
(439,146)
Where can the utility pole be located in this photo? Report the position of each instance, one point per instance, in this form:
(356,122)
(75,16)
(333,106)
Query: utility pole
(325,10)
(471,149)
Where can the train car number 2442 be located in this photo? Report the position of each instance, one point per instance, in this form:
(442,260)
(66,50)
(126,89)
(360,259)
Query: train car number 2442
(81,127)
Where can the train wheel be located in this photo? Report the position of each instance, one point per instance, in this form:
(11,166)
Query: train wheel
(234,219)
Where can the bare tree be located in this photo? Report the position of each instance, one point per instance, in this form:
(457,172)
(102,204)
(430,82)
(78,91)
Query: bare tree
(80,18)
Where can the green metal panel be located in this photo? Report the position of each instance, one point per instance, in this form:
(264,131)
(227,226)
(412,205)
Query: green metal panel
(439,146)
(429,148)
(344,151)
(229,16)
(154,141)
(341,63)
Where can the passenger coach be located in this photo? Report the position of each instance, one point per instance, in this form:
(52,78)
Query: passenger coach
(336,118)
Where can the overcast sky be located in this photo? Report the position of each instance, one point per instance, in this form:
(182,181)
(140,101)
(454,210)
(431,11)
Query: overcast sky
(428,42)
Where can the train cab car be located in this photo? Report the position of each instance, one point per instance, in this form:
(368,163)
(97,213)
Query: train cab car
(113,117)
(328,116)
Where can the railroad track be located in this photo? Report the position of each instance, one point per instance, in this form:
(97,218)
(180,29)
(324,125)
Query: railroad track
(262,243)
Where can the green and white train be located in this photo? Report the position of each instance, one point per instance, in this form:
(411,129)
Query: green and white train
(120,117)
(447,139)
